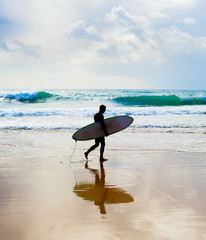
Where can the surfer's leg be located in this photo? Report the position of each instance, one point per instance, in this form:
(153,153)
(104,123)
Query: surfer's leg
(91,148)
(102,159)
(102,141)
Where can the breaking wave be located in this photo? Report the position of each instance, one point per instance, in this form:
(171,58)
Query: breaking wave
(163,100)
(32,97)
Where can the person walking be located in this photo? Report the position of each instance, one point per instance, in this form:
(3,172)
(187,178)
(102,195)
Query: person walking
(99,117)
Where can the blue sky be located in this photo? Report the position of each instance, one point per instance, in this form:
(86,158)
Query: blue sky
(102,44)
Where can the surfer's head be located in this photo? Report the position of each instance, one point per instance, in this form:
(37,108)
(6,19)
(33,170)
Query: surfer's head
(102,108)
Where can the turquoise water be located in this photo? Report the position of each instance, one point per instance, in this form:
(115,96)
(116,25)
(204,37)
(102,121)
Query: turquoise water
(71,109)
(122,97)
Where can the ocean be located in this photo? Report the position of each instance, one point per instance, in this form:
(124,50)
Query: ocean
(48,109)
(154,179)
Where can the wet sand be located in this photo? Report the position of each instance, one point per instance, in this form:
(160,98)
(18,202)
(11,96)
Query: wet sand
(147,194)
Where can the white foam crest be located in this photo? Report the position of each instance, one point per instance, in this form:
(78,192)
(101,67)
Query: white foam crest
(149,111)
(19,112)
(19,95)
(113,111)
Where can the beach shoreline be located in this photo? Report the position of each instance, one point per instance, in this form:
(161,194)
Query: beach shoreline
(158,189)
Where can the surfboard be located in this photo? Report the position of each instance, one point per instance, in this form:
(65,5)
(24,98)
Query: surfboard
(95,130)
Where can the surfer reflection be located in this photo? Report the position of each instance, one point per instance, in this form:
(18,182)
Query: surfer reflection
(99,192)
(99,117)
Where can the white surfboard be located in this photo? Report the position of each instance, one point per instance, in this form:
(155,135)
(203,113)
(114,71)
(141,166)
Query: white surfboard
(95,130)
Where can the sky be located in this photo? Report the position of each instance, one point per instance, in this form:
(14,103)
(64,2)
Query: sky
(103,44)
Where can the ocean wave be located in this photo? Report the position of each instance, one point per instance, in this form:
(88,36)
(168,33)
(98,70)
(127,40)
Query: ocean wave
(168,126)
(36,128)
(82,112)
(43,112)
(134,126)
(163,100)
(124,98)
(31,97)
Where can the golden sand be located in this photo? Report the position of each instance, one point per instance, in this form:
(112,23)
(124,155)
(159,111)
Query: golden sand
(147,195)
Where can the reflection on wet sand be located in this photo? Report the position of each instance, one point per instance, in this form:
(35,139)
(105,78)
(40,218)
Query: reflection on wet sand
(99,192)
(153,196)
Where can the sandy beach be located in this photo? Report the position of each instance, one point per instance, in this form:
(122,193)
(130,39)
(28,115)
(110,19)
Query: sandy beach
(151,192)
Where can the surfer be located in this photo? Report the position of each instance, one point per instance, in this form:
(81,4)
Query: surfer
(99,117)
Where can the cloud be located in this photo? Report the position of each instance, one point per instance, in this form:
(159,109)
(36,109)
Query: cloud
(174,42)
(176,3)
(159,16)
(121,36)
(189,21)
(30,50)
(135,57)
(80,31)
(164,7)
(121,41)
(109,52)
(4,46)
(113,37)
(121,16)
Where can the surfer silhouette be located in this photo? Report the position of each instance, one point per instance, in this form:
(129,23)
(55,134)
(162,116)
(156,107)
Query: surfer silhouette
(99,117)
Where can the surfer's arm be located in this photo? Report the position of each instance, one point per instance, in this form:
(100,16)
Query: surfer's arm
(100,118)
(104,127)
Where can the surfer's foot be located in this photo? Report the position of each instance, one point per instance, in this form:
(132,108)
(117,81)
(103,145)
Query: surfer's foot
(103,160)
(86,155)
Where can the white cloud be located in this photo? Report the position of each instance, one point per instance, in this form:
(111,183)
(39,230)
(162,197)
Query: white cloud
(189,21)
(176,3)
(121,37)
(172,41)
(18,53)
(135,57)
(147,7)
(121,16)
(125,38)
(159,16)
(4,46)
(79,30)
(109,52)
(30,50)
